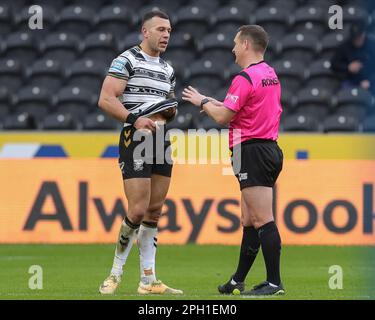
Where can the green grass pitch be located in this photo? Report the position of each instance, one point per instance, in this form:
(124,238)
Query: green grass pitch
(75,271)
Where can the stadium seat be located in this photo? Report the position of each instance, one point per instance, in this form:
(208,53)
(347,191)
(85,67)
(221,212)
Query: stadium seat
(15,5)
(168,6)
(299,47)
(232,71)
(341,123)
(353,96)
(221,93)
(205,74)
(6,23)
(355,110)
(218,47)
(289,5)
(228,19)
(60,46)
(272,51)
(75,19)
(134,5)
(209,6)
(58,5)
(290,73)
(320,74)
(208,123)
(21,46)
(310,19)
(314,101)
(300,123)
(77,101)
(193,20)
(353,13)
(92,4)
(11,75)
(99,46)
(369,124)
(131,40)
(115,20)
(59,121)
(33,100)
(21,121)
(288,101)
(179,69)
(322,3)
(329,44)
(49,20)
(45,73)
(274,20)
(185,118)
(180,45)
(4,102)
(147,7)
(99,121)
(244,5)
(87,73)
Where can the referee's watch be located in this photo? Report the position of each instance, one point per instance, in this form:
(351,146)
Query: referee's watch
(204,101)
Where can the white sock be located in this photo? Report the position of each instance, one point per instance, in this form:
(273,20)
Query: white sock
(124,244)
(147,243)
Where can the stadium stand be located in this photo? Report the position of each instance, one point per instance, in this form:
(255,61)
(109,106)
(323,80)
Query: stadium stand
(50,79)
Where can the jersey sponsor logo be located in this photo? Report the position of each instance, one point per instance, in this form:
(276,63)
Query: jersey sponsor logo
(118,65)
(242,176)
(270,82)
(231,97)
(138,164)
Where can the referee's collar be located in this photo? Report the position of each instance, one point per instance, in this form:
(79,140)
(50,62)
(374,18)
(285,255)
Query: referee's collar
(254,64)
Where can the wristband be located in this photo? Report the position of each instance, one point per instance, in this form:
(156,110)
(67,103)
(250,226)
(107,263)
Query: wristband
(205,100)
(131,119)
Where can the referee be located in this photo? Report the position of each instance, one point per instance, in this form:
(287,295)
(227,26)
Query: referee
(252,109)
(139,92)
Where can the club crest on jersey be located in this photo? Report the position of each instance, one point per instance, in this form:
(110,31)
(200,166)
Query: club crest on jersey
(138,164)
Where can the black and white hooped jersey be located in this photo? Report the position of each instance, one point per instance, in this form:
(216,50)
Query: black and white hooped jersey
(150,80)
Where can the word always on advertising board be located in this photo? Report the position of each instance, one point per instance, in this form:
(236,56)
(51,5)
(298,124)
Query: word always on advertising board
(81,201)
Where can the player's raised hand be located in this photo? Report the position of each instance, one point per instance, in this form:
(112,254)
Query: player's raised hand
(145,123)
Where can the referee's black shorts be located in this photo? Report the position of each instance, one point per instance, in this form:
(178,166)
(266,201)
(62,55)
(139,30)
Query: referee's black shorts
(135,164)
(257,162)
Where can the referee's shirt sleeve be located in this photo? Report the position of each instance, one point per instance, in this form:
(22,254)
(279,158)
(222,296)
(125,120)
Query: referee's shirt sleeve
(120,68)
(238,94)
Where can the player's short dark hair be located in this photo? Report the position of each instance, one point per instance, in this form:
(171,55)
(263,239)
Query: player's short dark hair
(154,13)
(257,35)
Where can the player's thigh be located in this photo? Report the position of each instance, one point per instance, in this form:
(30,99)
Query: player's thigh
(138,194)
(258,202)
(159,190)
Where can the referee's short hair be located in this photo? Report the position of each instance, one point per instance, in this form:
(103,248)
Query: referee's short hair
(154,13)
(256,34)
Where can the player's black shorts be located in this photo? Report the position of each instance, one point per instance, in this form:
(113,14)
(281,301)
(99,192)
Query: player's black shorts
(144,154)
(260,163)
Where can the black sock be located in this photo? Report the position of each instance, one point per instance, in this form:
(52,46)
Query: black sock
(249,249)
(271,247)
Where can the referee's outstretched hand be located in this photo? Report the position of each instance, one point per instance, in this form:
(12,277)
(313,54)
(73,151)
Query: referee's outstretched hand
(192,95)
(145,123)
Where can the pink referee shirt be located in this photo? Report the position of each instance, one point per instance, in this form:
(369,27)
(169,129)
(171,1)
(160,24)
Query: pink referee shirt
(255,98)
